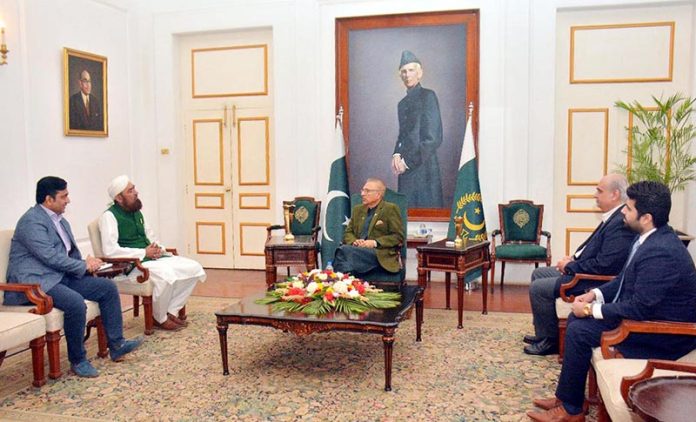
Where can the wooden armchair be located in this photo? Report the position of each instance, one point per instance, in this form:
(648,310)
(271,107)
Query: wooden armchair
(520,233)
(613,376)
(19,328)
(136,283)
(563,305)
(53,317)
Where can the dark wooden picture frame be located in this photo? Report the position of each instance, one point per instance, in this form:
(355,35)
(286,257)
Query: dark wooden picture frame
(85,111)
(368,88)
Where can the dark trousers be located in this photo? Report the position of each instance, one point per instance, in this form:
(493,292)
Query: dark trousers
(355,260)
(69,296)
(542,297)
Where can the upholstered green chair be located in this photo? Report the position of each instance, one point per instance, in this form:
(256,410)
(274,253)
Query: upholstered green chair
(380,276)
(520,237)
(304,221)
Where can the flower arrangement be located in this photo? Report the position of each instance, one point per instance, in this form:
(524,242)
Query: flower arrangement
(318,292)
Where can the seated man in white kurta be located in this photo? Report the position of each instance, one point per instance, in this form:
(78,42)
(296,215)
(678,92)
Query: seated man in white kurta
(126,234)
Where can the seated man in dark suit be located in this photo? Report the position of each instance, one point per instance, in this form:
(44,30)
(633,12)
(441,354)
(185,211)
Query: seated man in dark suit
(603,253)
(658,282)
(374,231)
(44,252)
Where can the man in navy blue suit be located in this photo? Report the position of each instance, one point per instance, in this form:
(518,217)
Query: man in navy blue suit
(603,253)
(658,282)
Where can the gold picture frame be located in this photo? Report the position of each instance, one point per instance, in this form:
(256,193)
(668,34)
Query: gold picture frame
(85,111)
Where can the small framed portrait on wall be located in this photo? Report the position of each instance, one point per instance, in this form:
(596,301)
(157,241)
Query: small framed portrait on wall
(85,111)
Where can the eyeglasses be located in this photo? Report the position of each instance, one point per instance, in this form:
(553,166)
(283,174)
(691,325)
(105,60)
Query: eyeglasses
(363,190)
(85,81)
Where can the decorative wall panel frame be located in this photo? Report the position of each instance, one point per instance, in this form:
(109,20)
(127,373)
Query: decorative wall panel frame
(220,182)
(569,206)
(267,196)
(264,49)
(570,230)
(242,251)
(267,155)
(666,78)
(220,224)
(605,160)
(220,196)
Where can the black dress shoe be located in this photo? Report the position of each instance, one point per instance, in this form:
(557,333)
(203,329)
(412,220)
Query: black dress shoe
(547,346)
(530,339)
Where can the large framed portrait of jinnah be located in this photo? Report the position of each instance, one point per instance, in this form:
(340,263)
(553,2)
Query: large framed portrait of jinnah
(84,94)
(404,83)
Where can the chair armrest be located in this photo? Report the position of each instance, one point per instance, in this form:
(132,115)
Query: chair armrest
(545,233)
(172,251)
(548,244)
(494,233)
(576,279)
(269,229)
(33,292)
(627,382)
(627,326)
(316,230)
(135,261)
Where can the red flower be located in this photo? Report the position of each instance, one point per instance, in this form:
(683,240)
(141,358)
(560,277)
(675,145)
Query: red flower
(329,296)
(306,300)
(360,287)
(296,291)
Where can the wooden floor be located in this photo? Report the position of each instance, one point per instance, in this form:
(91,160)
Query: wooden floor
(239,283)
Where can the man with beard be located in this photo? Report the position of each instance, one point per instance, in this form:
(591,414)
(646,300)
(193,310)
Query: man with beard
(44,252)
(658,282)
(125,234)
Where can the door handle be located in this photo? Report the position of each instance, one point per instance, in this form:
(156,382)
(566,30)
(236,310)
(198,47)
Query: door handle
(228,188)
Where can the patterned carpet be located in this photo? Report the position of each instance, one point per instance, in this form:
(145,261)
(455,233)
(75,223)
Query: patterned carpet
(478,373)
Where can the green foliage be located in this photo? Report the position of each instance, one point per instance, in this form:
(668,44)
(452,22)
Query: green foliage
(319,306)
(662,142)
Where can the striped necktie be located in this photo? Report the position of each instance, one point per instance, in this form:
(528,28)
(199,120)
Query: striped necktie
(636,244)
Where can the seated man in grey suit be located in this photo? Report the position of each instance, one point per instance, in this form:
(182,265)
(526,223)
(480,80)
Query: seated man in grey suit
(375,228)
(603,253)
(44,252)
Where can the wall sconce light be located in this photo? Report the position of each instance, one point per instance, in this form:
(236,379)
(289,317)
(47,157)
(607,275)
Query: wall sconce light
(3,46)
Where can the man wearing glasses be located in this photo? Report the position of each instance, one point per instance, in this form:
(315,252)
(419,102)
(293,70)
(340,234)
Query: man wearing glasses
(85,108)
(374,231)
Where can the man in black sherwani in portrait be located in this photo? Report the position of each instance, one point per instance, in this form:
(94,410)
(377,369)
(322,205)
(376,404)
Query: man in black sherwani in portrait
(420,134)
(85,108)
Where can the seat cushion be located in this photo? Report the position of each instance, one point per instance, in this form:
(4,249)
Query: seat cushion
(128,285)
(563,309)
(18,328)
(609,375)
(523,251)
(54,319)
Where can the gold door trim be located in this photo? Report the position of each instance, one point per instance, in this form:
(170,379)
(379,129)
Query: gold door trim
(267,196)
(569,206)
(220,224)
(569,162)
(267,157)
(195,153)
(241,238)
(667,78)
(220,196)
(264,47)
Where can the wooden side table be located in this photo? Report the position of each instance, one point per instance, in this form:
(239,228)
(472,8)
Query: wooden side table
(302,251)
(438,257)
(664,398)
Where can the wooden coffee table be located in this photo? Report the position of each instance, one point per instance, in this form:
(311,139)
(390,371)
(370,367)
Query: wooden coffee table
(378,321)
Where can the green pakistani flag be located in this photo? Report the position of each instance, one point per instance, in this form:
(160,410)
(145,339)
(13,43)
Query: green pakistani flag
(336,210)
(467,196)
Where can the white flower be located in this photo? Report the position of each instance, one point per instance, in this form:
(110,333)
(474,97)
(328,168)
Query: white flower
(340,287)
(353,294)
(339,275)
(298,284)
(314,271)
(312,287)
(323,276)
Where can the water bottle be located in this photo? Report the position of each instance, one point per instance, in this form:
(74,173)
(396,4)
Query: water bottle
(329,266)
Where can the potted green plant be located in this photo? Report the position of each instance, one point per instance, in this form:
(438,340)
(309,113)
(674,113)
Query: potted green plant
(661,143)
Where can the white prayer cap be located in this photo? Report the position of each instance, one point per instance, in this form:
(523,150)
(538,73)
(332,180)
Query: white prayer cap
(118,185)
